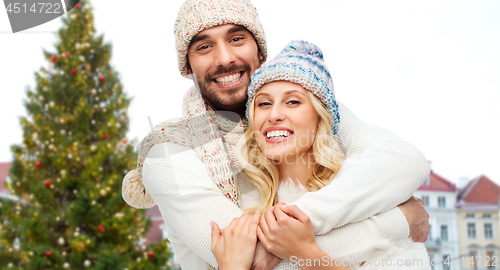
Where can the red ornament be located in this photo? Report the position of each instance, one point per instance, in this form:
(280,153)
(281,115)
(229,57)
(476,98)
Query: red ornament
(38,164)
(105,136)
(67,54)
(48,183)
(124,141)
(78,6)
(53,58)
(151,254)
(48,254)
(73,71)
(100,228)
(102,78)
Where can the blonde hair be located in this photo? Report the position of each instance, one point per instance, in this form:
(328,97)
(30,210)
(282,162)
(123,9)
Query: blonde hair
(264,175)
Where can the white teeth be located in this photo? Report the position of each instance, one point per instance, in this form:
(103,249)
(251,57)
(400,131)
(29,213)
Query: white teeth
(228,79)
(278,134)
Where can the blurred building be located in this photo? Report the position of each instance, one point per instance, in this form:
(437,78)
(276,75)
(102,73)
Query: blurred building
(439,196)
(158,230)
(4,174)
(478,223)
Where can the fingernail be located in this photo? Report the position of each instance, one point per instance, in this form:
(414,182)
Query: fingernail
(211,224)
(257,212)
(283,206)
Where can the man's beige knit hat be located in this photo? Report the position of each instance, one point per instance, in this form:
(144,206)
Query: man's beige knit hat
(197,15)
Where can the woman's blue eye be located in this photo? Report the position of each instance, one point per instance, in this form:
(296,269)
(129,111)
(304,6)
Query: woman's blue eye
(264,104)
(293,102)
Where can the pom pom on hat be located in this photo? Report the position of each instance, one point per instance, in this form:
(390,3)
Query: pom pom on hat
(303,47)
(299,62)
(134,193)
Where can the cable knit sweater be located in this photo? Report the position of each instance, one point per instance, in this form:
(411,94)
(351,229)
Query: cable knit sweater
(380,171)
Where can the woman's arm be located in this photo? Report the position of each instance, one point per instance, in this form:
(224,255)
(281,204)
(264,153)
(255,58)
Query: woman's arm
(380,172)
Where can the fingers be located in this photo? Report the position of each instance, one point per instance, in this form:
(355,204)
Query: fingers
(263,227)
(295,212)
(418,200)
(215,233)
(270,219)
(262,237)
(281,217)
(244,223)
(254,223)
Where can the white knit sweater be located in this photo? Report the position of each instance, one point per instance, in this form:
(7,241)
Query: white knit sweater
(402,254)
(380,171)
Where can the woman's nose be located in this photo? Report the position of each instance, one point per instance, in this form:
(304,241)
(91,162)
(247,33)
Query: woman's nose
(276,115)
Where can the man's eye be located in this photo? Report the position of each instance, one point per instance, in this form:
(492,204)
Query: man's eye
(236,39)
(203,47)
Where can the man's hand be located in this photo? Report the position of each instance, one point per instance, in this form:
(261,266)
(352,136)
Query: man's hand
(417,217)
(263,259)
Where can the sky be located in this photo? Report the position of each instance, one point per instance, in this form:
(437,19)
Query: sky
(428,71)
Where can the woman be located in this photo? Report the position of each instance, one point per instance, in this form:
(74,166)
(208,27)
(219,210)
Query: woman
(290,151)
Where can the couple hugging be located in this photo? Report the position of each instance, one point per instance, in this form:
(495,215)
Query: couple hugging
(265,152)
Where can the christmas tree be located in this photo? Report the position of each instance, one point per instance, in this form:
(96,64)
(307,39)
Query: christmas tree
(68,212)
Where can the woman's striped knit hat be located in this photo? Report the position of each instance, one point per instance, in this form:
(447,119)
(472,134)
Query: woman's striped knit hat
(197,15)
(302,63)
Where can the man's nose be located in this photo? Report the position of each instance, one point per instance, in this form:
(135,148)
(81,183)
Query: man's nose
(224,55)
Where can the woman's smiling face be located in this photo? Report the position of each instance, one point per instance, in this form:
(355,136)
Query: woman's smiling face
(285,121)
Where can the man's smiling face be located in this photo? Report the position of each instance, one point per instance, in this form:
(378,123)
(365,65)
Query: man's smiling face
(223,58)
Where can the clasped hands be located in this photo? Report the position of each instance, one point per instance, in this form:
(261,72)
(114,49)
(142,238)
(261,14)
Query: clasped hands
(280,230)
(286,231)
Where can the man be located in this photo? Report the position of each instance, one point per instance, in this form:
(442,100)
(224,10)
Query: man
(190,169)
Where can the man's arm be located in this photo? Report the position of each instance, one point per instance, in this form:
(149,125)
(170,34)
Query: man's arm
(181,187)
(380,172)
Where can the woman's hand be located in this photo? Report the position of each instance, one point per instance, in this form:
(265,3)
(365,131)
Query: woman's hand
(286,236)
(287,232)
(234,247)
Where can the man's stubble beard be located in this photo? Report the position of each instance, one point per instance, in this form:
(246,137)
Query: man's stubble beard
(233,100)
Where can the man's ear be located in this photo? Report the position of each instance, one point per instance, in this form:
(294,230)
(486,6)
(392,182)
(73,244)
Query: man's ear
(261,57)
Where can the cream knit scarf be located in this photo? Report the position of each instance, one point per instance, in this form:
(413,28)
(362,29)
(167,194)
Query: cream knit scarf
(212,136)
